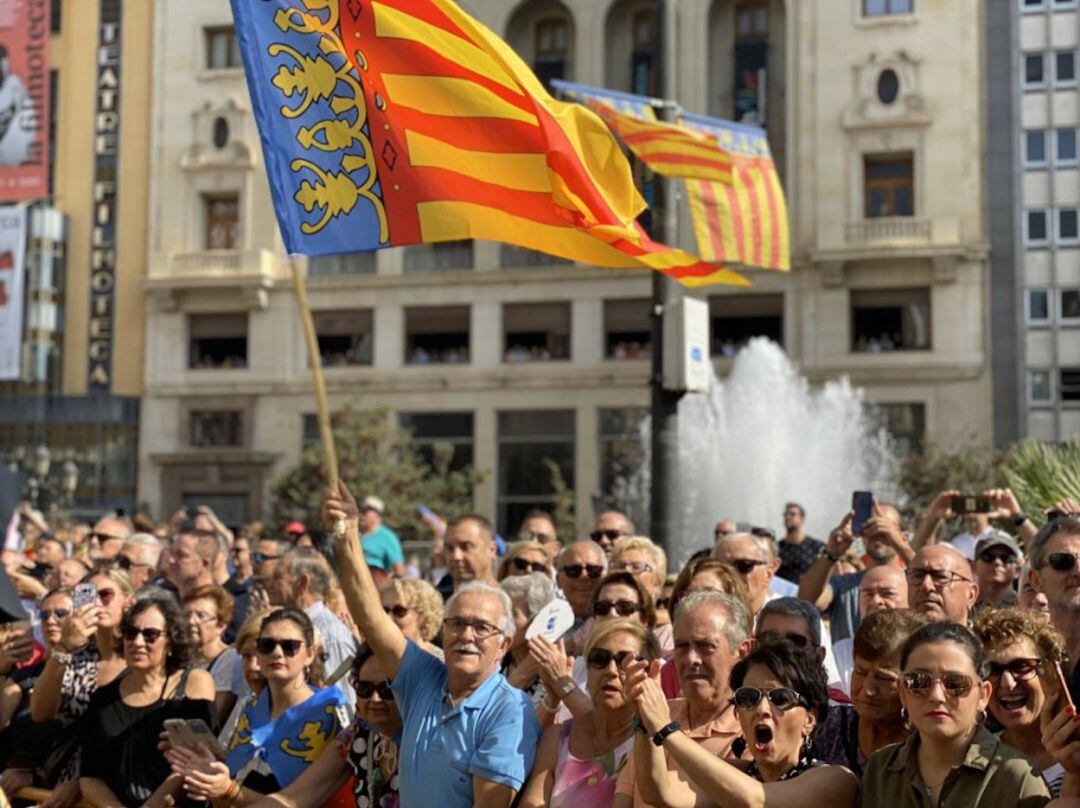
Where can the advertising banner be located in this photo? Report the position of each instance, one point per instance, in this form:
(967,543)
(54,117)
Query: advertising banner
(12,275)
(24,100)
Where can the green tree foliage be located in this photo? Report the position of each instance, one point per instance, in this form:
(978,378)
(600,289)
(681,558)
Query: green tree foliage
(924,475)
(1042,474)
(562,501)
(377,456)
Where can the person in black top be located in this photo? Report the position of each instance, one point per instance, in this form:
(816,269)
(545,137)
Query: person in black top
(121,764)
(797,550)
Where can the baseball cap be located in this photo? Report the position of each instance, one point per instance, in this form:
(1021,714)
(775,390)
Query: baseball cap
(372,503)
(295,527)
(999,538)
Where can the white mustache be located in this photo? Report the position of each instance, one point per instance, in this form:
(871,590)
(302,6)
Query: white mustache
(467,648)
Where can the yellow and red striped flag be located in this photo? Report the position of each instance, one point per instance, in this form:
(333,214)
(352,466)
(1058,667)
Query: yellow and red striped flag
(745,221)
(394,122)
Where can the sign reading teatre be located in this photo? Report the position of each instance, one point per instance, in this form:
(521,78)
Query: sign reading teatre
(106,163)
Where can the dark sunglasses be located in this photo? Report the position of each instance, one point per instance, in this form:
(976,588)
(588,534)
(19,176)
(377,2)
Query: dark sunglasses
(103,537)
(49,614)
(365,688)
(798,640)
(150,635)
(1062,562)
(782,698)
(600,658)
(610,535)
(397,610)
(1020,669)
(262,558)
(744,566)
(575,570)
(126,564)
(623,608)
(663,603)
(521,565)
(266,646)
(106,596)
(989,557)
(955,684)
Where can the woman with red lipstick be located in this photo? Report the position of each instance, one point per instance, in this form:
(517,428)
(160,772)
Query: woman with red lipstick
(1021,649)
(951,759)
(780,698)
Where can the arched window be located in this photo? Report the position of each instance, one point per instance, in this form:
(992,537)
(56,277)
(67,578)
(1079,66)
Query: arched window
(751,60)
(551,49)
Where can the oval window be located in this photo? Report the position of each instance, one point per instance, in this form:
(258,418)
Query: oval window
(221,133)
(888,86)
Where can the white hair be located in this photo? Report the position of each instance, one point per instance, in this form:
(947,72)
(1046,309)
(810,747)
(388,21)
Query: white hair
(765,545)
(147,543)
(508,627)
(596,548)
(535,590)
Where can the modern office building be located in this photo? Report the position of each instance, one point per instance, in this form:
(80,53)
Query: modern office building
(1033,99)
(81,366)
(872,111)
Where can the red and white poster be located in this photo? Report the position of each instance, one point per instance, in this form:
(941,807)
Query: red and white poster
(12,273)
(24,100)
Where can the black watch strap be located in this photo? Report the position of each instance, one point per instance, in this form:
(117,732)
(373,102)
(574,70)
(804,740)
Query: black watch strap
(1020,519)
(662,733)
(831,557)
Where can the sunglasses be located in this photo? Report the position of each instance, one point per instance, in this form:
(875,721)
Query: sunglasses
(365,688)
(610,535)
(782,698)
(266,646)
(623,608)
(49,614)
(126,564)
(106,596)
(939,579)
(262,558)
(1062,562)
(634,567)
(521,565)
(600,658)
(989,557)
(104,537)
(956,685)
(798,640)
(150,635)
(663,603)
(397,611)
(594,571)
(1020,669)
(744,566)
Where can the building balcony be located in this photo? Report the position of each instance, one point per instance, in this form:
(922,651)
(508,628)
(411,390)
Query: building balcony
(892,230)
(246,274)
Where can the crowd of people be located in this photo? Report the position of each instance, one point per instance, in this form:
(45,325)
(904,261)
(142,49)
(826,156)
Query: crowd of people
(190,663)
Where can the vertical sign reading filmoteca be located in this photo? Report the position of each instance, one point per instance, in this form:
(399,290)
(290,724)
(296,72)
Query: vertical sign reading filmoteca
(12,273)
(24,100)
(106,167)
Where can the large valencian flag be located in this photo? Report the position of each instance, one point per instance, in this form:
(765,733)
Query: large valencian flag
(406,121)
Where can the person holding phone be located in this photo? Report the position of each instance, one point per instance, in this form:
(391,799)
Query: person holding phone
(951,758)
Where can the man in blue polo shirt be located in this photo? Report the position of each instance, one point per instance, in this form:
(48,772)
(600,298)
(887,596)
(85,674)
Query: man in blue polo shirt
(468,736)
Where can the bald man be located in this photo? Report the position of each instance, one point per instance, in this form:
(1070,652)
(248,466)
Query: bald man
(941,584)
(838,596)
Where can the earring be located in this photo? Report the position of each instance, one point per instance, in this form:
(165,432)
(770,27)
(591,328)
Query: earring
(904,718)
(980,717)
(807,744)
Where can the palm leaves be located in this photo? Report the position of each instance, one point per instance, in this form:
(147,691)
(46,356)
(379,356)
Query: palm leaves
(1042,474)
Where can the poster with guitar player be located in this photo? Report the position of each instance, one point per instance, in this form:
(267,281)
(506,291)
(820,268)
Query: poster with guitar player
(24,100)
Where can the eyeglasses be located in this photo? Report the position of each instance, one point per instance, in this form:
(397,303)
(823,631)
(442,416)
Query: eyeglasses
(600,658)
(365,688)
(532,535)
(262,558)
(989,557)
(266,646)
(199,616)
(126,564)
(481,629)
(635,567)
(623,608)
(150,635)
(49,614)
(798,640)
(939,578)
(744,566)
(521,565)
(575,570)
(104,537)
(1062,562)
(782,698)
(106,596)
(610,535)
(1020,669)
(397,611)
(956,685)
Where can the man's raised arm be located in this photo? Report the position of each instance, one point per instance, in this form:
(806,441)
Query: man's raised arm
(361,594)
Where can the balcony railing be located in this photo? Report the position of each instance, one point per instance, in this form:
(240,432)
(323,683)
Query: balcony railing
(888,230)
(223,264)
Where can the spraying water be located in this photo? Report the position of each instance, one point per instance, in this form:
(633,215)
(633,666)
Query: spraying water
(762,438)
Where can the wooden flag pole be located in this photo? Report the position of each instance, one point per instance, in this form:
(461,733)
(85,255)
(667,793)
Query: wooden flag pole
(322,409)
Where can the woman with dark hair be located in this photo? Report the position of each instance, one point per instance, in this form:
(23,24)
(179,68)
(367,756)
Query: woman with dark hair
(950,759)
(780,696)
(281,732)
(121,764)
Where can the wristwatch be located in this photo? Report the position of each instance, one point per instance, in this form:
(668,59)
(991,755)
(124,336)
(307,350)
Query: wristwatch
(566,688)
(63,659)
(1020,519)
(662,733)
(830,556)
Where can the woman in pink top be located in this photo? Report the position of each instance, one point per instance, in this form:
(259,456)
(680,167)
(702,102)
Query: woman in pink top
(578,762)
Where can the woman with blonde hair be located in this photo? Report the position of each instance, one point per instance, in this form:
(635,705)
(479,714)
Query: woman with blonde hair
(524,558)
(417,608)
